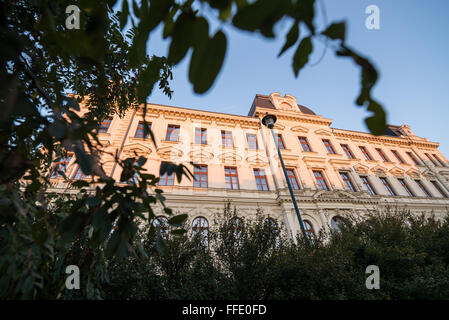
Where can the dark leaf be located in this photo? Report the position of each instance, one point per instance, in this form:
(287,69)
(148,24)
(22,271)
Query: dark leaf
(301,56)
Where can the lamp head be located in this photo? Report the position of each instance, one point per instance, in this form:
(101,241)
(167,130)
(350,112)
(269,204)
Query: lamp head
(269,120)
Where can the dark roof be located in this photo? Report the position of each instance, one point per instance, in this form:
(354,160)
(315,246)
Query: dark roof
(393,131)
(263,101)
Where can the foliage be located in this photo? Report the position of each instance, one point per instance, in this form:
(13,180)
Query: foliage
(105,65)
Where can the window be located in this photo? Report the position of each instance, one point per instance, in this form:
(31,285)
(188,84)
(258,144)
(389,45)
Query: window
(237,225)
(200,227)
(200,136)
(431,159)
(172,133)
(161,225)
(272,226)
(387,186)
(200,176)
(79,174)
(438,187)
(347,151)
(60,166)
(347,181)
(104,125)
(398,156)
(280,141)
(140,130)
(365,153)
(406,187)
(321,181)
(292,177)
(368,185)
(439,160)
(252,141)
(412,156)
(231,177)
(167,180)
(226,138)
(309,229)
(382,155)
(423,188)
(261,179)
(304,144)
(328,146)
(337,222)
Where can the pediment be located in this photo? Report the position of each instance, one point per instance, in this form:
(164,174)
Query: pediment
(230,157)
(300,129)
(201,156)
(257,159)
(279,126)
(379,170)
(413,173)
(396,171)
(323,132)
(360,168)
(136,148)
(169,153)
(428,174)
(336,194)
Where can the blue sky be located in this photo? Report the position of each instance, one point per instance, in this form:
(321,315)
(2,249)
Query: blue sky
(410,52)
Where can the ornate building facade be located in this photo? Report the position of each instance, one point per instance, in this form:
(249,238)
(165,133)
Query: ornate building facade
(334,172)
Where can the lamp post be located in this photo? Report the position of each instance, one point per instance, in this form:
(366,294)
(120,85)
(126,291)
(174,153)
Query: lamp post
(269,120)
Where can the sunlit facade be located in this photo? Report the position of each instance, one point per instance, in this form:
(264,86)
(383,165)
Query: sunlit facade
(334,172)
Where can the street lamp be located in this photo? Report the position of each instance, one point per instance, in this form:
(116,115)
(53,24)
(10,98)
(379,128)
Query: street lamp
(269,120)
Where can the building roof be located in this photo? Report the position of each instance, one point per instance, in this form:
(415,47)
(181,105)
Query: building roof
(263,101)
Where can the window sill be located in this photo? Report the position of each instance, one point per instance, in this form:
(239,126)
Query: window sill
(170,141)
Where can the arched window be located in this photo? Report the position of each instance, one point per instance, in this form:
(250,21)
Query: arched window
(309,229)
(273,225)
(200,226)
(237,225)
(161,225)
(336,222)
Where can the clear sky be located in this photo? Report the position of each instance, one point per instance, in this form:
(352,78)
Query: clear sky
(410,52)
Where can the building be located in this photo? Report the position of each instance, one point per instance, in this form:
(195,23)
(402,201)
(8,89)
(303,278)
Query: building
(334,172)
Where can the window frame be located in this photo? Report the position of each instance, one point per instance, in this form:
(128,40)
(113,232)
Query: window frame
(296,182)
(173,130)
(280,141)
(321,178)
(365,153)
(398,156)
(423,188)
(382,155)
(414,159)
(367,183)
(347,181)
(406,186)
(260,178)
(200,173)
(439,189)
(200,135)
(251,143)
(304,142)
(347,150)
(140,130)
(388,186)
(231,176)
(226,136)
(65,161)
(201,229)
(328,145)
(105,124)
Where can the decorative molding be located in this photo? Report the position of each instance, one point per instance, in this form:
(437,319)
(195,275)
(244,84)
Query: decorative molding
(300,129)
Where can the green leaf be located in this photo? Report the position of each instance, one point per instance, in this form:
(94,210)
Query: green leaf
(336,31)
(291,38)
(181,38)
(204,74)
(177,220)
(80,184)
(377,123)
(301,56)
(124,14)
(71,226)
(84,160)
(93,201)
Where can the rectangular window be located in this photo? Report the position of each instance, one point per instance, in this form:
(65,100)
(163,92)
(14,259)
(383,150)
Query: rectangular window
(200,136)
(261,179)
(79,174)
(431,159)
(304,144)
(226,138)
(329,147)
(252,141)
(347,181)
(365,153)
(167,180)
(438,187)
(406,187)
(382,155)
(398,156)
(320,179)
(200,175)
(231,177)
(292,177)
(172,133)
(387,186)
(347,151)
(414,159)
(139,131)
(423,188)
(280,141)
(368,185)
(104,126)
(60,166)
(439,160)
